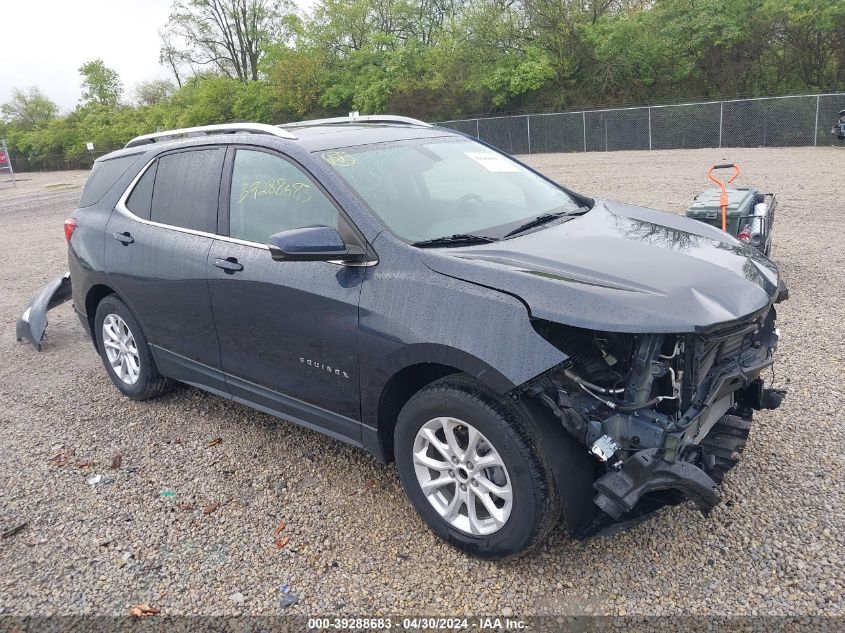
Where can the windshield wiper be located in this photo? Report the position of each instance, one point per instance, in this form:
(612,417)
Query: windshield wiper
(456,240)
(538,221)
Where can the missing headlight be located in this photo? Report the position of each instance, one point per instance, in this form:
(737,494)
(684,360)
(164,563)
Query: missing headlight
(602,358)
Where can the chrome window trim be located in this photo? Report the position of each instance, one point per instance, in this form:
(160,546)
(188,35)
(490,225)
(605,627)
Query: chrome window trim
(121,208)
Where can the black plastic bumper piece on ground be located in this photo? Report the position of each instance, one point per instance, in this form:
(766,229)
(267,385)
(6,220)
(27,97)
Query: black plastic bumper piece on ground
(33,321)
(644,472)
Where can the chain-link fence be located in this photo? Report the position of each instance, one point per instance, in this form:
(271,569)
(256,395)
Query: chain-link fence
(762,122)
(54,162)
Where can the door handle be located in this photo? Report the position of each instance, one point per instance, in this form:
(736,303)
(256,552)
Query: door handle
(124,238)
(230,264)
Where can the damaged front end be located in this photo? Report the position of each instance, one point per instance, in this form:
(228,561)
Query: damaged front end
(665,415)
(33,321)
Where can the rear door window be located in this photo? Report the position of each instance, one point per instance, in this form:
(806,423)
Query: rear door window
(141,199)
(187,185)
(103,175)
(270,195)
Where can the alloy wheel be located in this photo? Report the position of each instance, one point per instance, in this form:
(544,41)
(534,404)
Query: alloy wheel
(121,349)
(463,476)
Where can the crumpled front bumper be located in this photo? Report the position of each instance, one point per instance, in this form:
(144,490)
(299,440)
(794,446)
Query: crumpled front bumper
(33,321)
(645,471)
(714,436)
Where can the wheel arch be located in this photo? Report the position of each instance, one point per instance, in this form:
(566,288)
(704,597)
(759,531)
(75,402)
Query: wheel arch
(405,372)
(398,389)
(95,294)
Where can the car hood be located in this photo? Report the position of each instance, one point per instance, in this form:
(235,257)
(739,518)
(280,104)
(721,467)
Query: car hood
(622,268)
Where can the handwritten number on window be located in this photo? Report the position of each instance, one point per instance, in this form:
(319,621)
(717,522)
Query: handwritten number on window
(298,191)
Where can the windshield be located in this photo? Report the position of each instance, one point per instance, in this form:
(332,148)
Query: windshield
(431,188)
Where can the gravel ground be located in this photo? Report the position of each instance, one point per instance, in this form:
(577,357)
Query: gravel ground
(775,546)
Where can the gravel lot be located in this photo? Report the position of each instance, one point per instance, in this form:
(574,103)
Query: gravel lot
(775,546)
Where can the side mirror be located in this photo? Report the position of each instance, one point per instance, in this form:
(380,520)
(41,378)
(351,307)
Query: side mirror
(310,244)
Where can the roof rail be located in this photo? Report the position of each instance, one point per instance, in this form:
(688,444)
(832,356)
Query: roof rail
(354,117)
(222,128)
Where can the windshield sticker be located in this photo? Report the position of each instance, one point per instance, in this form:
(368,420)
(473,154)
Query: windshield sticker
(493,162)
(339,159)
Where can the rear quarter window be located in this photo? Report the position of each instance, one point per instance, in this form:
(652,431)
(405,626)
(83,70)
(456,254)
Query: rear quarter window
(186,188)
(103,175)
(141,199)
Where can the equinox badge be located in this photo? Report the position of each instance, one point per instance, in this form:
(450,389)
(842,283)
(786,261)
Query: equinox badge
(324,367)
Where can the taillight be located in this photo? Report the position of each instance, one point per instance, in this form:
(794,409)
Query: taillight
(70,227)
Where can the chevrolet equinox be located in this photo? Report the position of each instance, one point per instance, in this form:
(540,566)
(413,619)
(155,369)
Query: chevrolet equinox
(523,352)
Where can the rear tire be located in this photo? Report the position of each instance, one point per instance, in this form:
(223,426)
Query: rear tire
(457,444)
(125,352)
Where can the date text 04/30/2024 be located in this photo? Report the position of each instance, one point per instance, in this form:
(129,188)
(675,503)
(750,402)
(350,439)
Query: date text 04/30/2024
(419,623)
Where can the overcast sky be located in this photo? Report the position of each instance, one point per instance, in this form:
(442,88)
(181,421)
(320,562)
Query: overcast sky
(44,42)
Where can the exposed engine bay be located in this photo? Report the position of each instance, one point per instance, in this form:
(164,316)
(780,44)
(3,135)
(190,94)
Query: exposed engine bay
(665,415)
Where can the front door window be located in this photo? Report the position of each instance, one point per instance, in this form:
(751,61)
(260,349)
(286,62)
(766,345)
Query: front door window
(270,195)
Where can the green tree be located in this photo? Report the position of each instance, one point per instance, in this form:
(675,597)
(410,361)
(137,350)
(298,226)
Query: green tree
(30,109)
(100,84)
(153,92)
(441,59)
(298,79)
(810,38)
(225,36)
(518,75)
(203,100)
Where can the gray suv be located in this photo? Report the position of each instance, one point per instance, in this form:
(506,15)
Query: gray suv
(523,352)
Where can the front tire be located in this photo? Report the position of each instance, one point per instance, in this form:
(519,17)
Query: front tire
(472,469)
(125,352)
